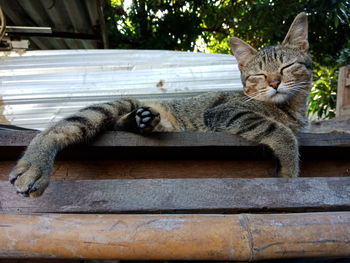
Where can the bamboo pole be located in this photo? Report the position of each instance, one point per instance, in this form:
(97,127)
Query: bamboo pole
(203,237)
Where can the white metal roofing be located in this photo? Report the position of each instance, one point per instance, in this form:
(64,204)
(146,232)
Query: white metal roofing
(40,87)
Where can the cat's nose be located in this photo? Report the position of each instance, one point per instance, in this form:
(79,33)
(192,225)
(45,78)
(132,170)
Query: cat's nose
(274,83)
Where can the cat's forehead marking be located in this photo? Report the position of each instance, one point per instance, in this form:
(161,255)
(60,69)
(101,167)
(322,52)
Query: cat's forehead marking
(270,59)
(265,60)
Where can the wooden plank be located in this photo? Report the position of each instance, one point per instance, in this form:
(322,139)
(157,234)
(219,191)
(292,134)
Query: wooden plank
(343,92)
(244,237)
(341,124)
(205,146)
(186,195)
(36,260)
(148,169)
(50,260)
(324,139)
(176,169)
(179,139)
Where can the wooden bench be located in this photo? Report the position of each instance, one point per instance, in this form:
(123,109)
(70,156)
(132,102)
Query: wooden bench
(179,196)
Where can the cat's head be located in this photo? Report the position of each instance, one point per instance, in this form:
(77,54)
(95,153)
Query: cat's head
(276,74)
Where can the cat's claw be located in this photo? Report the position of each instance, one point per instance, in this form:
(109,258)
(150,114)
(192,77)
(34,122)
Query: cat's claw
(146,119)
(29,179)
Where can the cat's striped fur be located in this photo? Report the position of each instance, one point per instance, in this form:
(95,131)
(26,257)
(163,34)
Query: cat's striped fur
(270,109)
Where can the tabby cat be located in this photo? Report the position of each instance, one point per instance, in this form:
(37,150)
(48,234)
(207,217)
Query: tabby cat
(271,108)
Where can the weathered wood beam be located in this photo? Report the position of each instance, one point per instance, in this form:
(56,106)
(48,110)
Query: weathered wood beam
(203,237)
(179,139)
(184,195)
(175,169)
(187,145)
(343,92)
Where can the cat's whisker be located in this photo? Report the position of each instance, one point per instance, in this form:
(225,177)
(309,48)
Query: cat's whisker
(251,98)
(297,84)
(288,82)
(298,91)
(257,94)
(253,94)
(300,87)
(293,81)
(295,90)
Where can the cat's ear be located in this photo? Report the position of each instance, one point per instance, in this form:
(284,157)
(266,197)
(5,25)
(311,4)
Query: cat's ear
(242,51)
(297,35)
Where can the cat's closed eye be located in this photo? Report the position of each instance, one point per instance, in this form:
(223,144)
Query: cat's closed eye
(286,67)
(256,77)
(297,70)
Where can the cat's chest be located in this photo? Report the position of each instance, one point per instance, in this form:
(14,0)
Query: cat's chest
(295,120)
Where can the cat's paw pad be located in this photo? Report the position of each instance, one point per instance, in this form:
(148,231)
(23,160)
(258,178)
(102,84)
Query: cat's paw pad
(146,119)
(29,179)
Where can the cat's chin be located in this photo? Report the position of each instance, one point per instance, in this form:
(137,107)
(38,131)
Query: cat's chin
(279,98)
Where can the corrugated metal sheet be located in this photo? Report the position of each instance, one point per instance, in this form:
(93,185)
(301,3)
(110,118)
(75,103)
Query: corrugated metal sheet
(74,17)
(39,87)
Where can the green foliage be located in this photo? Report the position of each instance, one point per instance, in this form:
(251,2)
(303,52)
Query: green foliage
(154,25)
(323,92)
(207,26)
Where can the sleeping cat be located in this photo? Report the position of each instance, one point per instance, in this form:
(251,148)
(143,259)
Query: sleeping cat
(270,110)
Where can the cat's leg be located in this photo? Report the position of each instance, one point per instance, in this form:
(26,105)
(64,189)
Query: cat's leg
(31,175)
(260,129)
(284,144)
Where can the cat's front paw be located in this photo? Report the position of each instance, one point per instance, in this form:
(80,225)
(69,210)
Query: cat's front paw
(30,178)
(146,119)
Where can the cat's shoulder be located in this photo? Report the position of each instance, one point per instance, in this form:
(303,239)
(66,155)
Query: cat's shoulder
(222,95)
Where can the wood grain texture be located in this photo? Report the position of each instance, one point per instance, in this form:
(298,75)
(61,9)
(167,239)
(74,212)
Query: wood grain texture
(179,139)
(185,146)
(50,260)
(243,237)
(186,195)
(343,92)
(36,260)
(339,124)
(157,169)
(151,169)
